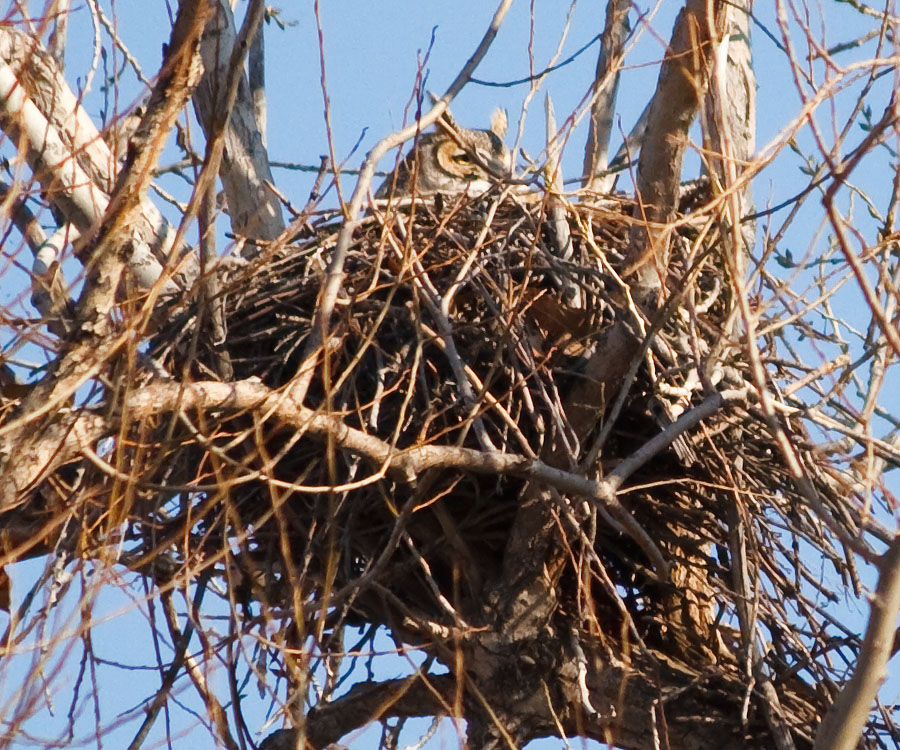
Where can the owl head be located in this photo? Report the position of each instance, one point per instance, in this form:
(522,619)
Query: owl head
(452,159)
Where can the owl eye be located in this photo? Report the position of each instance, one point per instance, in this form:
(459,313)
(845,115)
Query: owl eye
(462,158)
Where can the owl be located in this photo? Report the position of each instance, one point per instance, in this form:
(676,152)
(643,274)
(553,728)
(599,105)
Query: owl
(452,159)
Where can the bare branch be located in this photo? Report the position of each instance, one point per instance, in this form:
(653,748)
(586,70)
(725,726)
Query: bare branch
(36,103)
(75,434)
(57,41)
(843,724)
(604,90)
(730,125)
(224,104)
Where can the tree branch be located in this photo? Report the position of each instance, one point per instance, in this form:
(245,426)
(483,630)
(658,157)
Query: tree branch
(223,104)
(418,695)
(683,79)
(70,158)
(73,435)
(604,90)
(844,723)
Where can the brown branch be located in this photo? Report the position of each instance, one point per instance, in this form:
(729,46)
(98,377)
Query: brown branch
(63,441)
(683,79)
(180,73)
(657,444)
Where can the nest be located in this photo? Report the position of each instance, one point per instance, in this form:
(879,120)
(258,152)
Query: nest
(463,324)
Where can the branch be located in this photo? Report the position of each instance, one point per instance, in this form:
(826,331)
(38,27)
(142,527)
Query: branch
(180,642)
(731,102)
(48,291)
(730,132)
(418,695)
(683,78)
(70,158)
(604,90)
(223,104)
(844,723)
(664,439)
(74,435)
(256,76)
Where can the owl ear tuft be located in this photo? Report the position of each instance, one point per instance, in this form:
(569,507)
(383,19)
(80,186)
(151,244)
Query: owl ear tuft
(499,123)
(447,117)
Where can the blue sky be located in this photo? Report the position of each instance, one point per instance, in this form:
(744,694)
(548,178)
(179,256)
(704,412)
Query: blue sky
(371,52)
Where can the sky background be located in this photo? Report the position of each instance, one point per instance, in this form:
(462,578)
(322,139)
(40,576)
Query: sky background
(371,52)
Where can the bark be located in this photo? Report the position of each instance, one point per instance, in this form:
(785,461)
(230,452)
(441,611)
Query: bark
(730,116)
(256,74)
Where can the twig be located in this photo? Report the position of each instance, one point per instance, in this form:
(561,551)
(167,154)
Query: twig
(180,641)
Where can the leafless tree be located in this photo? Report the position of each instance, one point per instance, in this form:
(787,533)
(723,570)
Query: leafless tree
(599,462)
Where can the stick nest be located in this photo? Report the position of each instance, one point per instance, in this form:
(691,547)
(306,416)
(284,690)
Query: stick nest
(461,323)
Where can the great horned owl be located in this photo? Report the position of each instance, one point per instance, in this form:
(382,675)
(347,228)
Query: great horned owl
(452,159)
